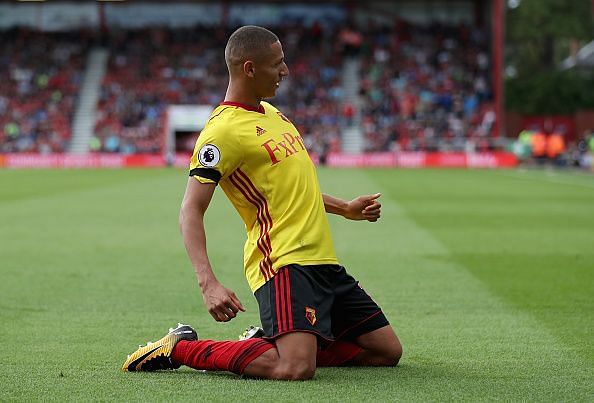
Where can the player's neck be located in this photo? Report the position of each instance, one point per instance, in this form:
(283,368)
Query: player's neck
(240,96)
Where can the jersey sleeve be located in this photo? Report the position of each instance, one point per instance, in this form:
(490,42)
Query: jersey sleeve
(216,155)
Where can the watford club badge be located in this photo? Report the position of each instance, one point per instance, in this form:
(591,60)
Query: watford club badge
(310,315)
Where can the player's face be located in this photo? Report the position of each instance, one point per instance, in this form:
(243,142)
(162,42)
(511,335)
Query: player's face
(272,70)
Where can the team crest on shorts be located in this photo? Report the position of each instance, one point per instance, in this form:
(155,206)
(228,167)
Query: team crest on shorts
(310,315)
(209,155)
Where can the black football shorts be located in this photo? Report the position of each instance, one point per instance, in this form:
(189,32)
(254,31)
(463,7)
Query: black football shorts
(322,299)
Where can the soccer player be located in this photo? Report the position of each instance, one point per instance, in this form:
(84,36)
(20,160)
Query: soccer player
(313,313)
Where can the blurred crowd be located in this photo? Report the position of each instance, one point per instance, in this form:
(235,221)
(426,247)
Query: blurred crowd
(421,88)
(427,88)
(151,68)
(148,70)
(40,77)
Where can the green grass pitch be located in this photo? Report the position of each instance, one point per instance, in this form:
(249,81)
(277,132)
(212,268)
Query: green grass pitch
(487,277)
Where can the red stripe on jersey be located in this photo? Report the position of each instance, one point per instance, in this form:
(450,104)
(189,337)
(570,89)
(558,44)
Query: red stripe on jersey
(264,268)
(266,210)
(246,182)
(255,190)
(257,199)
(263,219)
(289,305)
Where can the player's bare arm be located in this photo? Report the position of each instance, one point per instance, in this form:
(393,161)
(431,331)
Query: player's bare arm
(222,303)
(365,207)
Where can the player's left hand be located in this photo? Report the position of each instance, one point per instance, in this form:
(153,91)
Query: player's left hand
(222,303)
(364,208)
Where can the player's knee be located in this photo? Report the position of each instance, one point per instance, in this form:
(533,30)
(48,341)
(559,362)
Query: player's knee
(304,372)
(397,354)
(390,356)
(393,355)
(301,371)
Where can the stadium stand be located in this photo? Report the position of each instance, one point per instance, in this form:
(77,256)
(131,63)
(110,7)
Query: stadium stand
(41,74)
(426,88)
(423,88)
(149,69)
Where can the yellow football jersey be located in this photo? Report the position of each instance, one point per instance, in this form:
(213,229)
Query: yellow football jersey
(262,165)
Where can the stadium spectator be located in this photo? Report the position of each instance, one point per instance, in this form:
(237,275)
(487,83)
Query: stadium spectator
(523,146)
(350,40)
(539,146)
(555,145)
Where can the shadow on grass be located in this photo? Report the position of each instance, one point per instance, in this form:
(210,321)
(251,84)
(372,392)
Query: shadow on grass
(335,375)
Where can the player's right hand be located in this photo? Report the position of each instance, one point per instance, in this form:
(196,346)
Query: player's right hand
(221,302)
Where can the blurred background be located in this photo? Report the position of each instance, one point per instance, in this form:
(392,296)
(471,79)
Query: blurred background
(375,83)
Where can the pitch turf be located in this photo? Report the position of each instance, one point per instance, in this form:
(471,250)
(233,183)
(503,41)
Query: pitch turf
(487,276)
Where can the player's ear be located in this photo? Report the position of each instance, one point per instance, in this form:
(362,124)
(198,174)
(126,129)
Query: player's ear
(249,68)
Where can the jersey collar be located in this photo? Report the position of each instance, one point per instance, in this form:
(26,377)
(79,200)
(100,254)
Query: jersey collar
(259,109)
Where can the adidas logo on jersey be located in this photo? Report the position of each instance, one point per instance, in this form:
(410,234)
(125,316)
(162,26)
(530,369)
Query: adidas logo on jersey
(259,131)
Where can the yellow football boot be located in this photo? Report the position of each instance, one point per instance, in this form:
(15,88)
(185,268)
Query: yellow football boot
(157,355)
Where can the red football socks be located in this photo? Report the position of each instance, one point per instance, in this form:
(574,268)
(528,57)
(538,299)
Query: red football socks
(212,355)
(234,356)
(337,354)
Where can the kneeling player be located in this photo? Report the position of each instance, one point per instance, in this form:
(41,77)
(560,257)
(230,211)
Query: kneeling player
(312,311)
